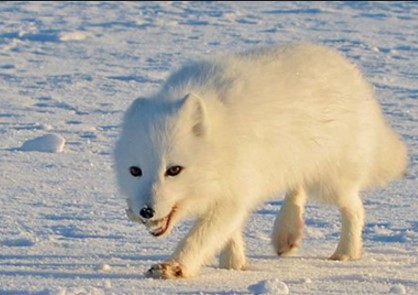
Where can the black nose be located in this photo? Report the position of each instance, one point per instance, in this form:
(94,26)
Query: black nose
(146,212)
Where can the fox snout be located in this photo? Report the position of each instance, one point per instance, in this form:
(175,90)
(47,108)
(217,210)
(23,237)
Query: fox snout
(146,212)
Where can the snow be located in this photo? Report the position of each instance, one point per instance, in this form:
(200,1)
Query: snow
(72,68)
(48,143)
(398,289)
(19,242)
(269,287)
(73,36)
(105,267)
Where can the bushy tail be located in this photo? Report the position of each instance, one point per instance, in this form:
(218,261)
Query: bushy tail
(392,157)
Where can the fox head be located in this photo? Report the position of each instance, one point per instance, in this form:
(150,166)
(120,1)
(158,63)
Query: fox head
(163,160)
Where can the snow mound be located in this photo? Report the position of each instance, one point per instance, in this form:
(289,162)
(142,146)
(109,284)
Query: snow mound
(49,143)
(73,36)
(104,267)
(77,291)
(269,287)
(307,281)
(397,289)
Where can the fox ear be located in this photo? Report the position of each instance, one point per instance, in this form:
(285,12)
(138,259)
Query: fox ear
(135,106)
(194,109)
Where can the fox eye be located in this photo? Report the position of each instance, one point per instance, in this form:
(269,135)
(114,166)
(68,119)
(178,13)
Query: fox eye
(173,171)
(135,171)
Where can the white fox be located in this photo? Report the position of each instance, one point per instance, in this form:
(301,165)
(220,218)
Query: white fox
(223,135)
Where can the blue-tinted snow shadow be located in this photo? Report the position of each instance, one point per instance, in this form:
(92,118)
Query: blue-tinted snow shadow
(294,257)
(34,257)
(140,257)
(57,272)
(110,257)
(362,278)
(20,292)
(267,212)
(70,275)
(295,11)
(394,238)
(42,36)
(392,235)
(134,78)
(8,115)
(230,292)
(73,232)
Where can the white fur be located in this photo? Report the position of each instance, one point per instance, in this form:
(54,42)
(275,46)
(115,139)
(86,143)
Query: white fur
(246,127)
(288,227)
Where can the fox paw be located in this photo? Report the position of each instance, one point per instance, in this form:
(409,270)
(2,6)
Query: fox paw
(236,263)
(287,245)
(288,230)
(287,238)
(345,257)
(166,270)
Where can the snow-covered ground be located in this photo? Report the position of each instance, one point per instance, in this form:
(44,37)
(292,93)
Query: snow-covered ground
(72,68)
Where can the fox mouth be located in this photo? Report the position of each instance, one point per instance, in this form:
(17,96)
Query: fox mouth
(159,227)
(154,227)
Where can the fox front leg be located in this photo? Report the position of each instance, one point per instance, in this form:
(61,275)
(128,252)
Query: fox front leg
(210,233)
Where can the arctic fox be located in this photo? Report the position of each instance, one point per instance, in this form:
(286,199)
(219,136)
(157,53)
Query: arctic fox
(224,134)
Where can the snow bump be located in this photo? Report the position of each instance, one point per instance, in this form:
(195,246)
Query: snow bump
(269,287)
(49,143)
(397,289)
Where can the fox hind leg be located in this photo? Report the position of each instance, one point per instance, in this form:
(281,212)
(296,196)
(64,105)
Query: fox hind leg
(352,221)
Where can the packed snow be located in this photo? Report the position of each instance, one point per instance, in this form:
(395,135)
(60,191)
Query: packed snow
(48,143)
(71,69)
(269,287)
